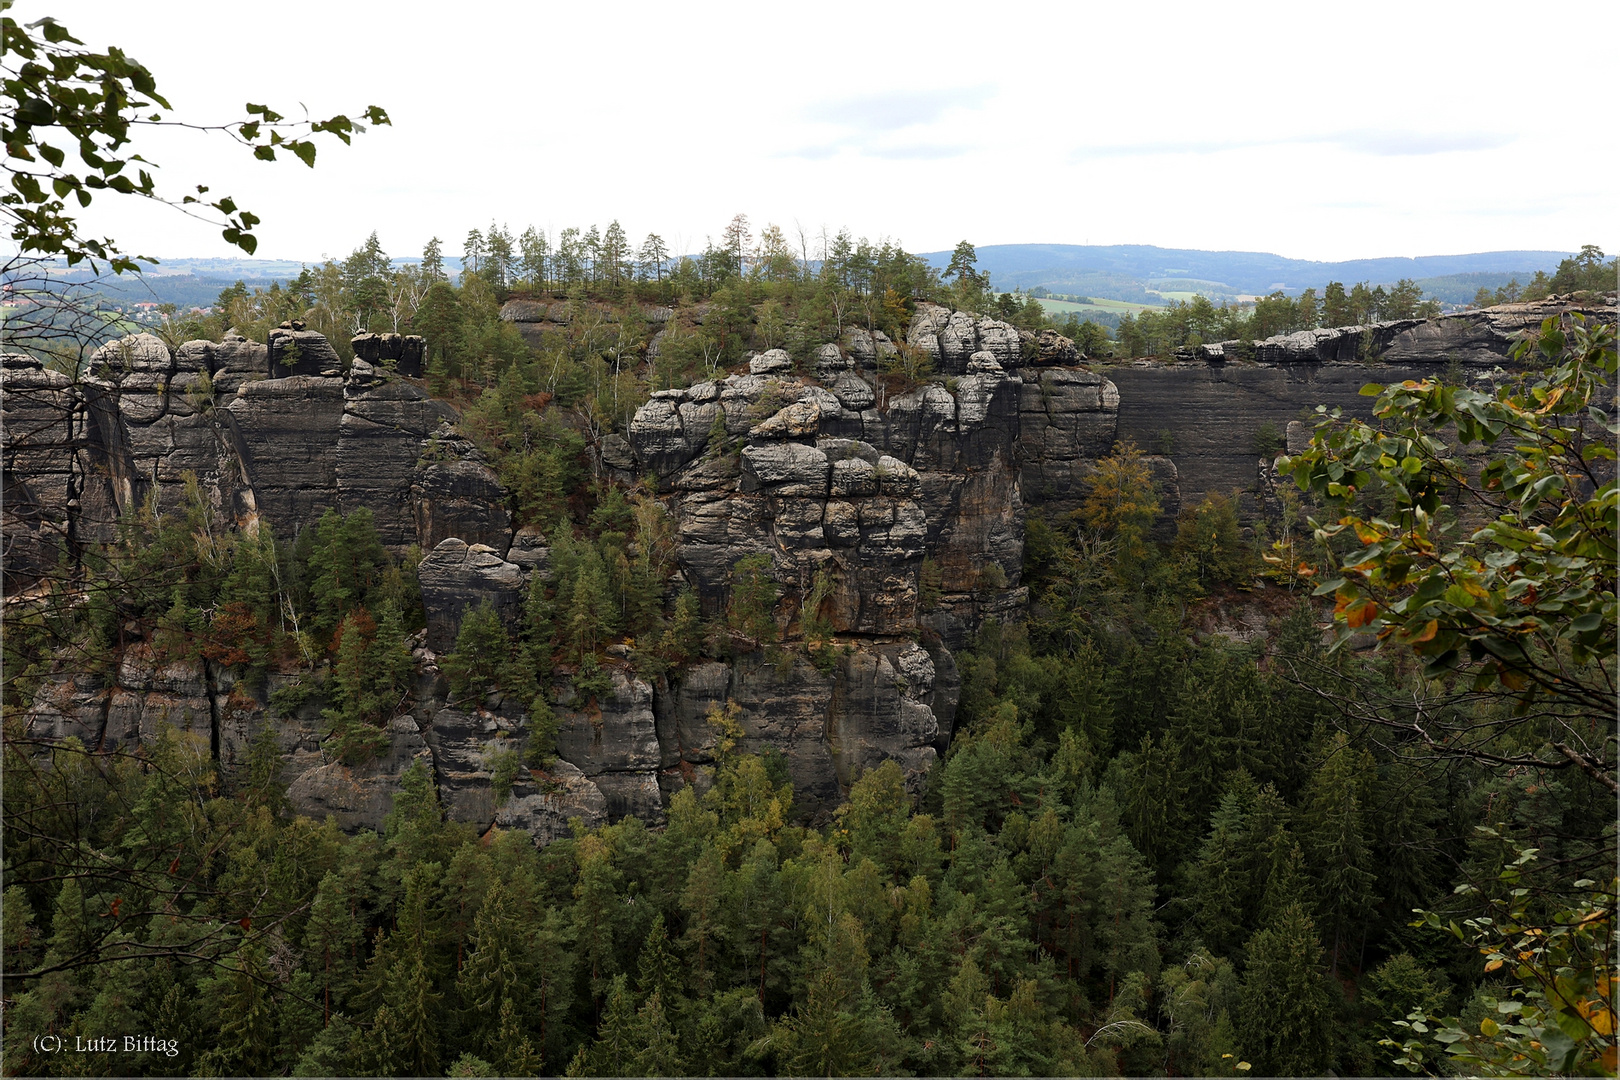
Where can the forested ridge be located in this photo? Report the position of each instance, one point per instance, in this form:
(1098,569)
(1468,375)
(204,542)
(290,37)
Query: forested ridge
(1162,840)
(1149,850)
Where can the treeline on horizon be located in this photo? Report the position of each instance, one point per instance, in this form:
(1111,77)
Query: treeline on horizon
(777,291)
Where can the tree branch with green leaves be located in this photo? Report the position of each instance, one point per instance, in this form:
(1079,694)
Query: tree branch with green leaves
(69,117)
(1500,576)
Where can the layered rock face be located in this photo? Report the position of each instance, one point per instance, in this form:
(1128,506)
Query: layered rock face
(1211,411)
(258,443)
(840,480)
(906,501)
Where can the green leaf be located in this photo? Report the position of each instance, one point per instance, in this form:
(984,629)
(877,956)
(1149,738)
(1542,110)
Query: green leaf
(35,113)
(1561,1048)
(1372,389)
(1572,1025)
(1440,665)
(1590,621)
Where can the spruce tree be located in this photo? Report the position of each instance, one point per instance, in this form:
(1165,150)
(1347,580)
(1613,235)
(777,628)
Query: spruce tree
(1285,1014)
(332,939)
(657,971)
(613,1051)
(495,971)
(483,648)
(1337,842)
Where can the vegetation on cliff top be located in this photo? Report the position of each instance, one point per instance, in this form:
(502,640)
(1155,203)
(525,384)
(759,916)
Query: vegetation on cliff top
(1148,850)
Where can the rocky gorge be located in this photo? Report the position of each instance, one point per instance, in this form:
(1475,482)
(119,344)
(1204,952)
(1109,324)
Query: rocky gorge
(898,507)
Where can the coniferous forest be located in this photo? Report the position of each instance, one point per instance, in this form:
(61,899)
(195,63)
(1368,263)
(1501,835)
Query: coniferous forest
(1148,850)
(1313,781)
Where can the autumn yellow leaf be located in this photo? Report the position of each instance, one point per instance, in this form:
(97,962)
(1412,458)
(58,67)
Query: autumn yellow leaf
(1361,615)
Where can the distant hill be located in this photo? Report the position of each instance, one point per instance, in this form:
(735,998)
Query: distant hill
(184,291)
(1087,269)
(1460,288)
(1133,273)
(189,283)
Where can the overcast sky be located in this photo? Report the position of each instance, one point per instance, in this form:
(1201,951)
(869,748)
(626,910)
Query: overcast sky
(1318,131)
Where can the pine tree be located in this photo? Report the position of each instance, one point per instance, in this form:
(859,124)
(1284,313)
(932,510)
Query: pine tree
(682,640)
(472,254)
(875,816)
(433,261)
(1285,1014)
(701,901)
(755,910)
(596,909)
(1335,836)
(751,611)
(533,257)
(482,650)
(617,1042)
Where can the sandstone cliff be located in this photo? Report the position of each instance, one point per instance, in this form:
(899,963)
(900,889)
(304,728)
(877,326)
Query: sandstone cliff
(910,500)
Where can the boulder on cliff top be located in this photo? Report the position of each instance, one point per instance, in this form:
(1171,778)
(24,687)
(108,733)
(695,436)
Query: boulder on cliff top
(400,352)
(296,351)
(136,353)
(771,362)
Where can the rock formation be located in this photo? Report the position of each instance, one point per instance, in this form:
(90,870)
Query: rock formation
(906,501)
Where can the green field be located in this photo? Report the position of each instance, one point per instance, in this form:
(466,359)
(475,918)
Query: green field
(1117,307)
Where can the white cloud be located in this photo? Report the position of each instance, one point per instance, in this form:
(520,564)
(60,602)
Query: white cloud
(1313,131)
(896,109)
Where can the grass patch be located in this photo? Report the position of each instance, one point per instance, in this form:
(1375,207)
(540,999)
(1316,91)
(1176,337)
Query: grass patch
(1064,307)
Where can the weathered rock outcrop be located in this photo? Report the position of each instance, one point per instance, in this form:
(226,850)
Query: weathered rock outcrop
(837,480)
(951,338)
(1217,411)
(847,480)
(454,577)
(260,442)
(908,501)
(259,438)
(400,353)
(1068,418)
